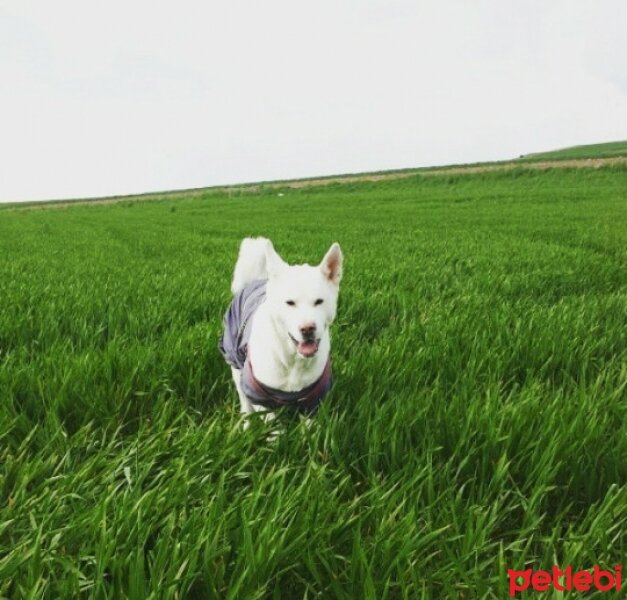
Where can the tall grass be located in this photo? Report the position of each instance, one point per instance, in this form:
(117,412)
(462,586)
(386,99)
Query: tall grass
(477,423)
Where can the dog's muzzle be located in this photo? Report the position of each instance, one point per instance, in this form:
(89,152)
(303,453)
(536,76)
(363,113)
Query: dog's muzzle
(307,347)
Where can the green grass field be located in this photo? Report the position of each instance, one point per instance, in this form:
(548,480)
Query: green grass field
(607,150)
(477,422)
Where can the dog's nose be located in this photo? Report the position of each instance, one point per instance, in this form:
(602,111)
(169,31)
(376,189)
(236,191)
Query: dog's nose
(308,330)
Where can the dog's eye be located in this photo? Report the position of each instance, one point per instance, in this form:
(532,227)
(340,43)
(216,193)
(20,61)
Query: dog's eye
(318,302)
(290,302)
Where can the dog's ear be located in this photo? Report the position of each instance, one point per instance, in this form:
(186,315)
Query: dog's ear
(274,263)
(331,264)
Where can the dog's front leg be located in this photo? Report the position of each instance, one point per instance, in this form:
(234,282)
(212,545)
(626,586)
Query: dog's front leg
(268,417)
(246,406)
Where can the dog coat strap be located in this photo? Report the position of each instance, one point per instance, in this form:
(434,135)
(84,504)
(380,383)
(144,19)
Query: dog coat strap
(306,400)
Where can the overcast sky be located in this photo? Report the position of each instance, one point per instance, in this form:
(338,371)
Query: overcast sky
(140,95)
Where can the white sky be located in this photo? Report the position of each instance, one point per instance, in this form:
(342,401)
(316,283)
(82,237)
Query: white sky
(141,95)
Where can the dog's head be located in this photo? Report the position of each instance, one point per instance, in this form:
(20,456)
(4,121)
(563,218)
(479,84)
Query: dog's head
(303,298)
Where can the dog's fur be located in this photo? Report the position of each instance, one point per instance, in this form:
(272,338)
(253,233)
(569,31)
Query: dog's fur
(285,353)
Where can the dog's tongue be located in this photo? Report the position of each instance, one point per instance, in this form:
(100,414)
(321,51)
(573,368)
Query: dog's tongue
(308,347)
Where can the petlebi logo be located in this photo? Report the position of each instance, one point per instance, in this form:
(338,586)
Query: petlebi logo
(565,580)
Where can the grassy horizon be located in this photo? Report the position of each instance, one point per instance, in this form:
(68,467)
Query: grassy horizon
(602,151)
(477,422)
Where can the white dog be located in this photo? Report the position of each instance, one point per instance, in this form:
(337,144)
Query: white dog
(276,331)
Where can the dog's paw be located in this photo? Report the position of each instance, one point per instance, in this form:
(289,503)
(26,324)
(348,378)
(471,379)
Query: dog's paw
(273,436)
